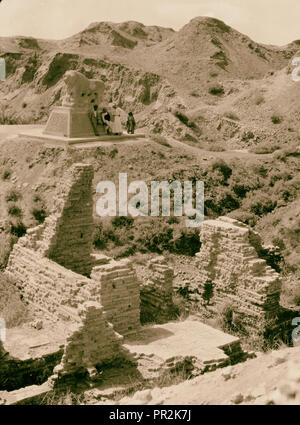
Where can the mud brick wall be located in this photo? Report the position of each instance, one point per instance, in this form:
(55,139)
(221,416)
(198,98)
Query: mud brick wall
(229,263)
(156,292)
(49,287)
(51,265)
(118,291)
(93,343)
(66,235)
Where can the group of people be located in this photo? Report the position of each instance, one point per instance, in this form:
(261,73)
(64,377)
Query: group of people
(111,121)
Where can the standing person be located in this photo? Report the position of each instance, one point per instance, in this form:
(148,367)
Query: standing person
(94,119)
(116,122)
(130,125)
(105,117)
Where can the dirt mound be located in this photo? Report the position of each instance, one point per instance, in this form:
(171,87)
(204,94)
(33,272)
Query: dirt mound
(271,378)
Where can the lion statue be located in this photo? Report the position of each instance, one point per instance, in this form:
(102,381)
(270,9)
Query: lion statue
(80,92)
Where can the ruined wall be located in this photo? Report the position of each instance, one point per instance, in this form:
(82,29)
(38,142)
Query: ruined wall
(93,343)
(49,265)
(156,292)
(47,286)
(230,271)
(118,291)
(66,235)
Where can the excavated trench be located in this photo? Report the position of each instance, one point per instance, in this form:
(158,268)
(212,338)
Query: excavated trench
(16,374)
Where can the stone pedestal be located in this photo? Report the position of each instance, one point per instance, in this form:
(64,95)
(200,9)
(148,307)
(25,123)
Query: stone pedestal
(71,122)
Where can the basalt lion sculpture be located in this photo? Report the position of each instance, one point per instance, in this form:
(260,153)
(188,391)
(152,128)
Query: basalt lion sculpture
(80,92)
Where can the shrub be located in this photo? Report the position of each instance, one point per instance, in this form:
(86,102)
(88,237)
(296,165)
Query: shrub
(244,216)
(216,90)
(156,238)
(261,205)
(276,119)
(39,214)
(19,229)
(218,25)
(6,174)
(240,190)
(161,140)
(124,251)
(229,203)
(113,153)
(13,195)
(185,120)
(173,220)
(221,57)
(122,222)
(98,237)
(187,243)
(221,166)
(15,211)
(10,119)
(208,292)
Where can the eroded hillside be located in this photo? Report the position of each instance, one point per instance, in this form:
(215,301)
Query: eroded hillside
(205,83)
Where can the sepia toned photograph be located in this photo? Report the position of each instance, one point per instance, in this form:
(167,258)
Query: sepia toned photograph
(149,206)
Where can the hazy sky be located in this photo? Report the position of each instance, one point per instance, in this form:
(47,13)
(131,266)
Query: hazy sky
(267,21)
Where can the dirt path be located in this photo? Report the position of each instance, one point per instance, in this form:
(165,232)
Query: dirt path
(229,154)
(11,131)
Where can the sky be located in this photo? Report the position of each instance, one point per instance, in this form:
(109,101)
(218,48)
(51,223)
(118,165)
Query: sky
(265,21)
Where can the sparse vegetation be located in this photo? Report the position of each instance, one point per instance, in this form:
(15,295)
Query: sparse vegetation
(13,195)
(276,119)
(161,140)
(39,214)
(15,211)
(185,120)
(6,175)
(18,229)
(216,90)
(265,148)
(127,237)
(221,58)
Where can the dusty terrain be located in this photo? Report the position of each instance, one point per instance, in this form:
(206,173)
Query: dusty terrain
(215,106)
(175,82)
(271,378)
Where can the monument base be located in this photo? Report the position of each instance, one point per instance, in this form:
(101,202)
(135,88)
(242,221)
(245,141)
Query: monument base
(65,121)
(37,134)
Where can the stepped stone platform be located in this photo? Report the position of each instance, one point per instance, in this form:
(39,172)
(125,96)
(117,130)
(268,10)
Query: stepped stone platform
(183,339)
(37,134)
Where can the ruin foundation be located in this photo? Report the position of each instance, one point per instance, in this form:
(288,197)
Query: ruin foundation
(234,281)
(92,299)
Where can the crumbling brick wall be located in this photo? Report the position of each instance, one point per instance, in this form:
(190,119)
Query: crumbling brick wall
(93,343)
(66,235)
(119,293)
(51,265)
(157,292)
(50,288)
(231,272)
